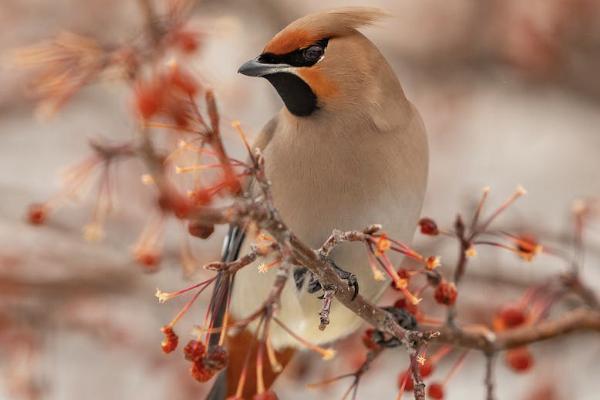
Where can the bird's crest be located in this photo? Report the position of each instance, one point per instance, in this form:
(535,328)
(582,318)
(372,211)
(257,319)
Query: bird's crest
(325,24)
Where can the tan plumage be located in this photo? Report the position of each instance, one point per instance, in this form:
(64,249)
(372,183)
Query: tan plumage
(359,157)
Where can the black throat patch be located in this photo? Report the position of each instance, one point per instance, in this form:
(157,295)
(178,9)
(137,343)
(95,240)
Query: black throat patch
(298,97)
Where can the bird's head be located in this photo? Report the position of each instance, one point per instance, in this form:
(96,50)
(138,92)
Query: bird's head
(322,63)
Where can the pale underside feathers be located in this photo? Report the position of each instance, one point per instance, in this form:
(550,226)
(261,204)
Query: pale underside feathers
(325,24)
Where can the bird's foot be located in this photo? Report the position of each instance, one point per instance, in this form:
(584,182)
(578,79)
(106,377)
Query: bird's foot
(349,277)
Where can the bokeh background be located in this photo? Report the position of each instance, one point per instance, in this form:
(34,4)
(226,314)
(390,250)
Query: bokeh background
(510,94)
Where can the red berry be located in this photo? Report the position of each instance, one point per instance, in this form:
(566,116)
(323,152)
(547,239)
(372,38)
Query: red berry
(428,227)
(170,341)
(37,213)
(194,350)
(201,372)
(519,359)
(405,379)
(427,369)
(435,391)
(268,395)
(446,293)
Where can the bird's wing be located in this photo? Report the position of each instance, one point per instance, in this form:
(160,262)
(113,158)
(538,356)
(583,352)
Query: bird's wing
(231,251)
(232,246)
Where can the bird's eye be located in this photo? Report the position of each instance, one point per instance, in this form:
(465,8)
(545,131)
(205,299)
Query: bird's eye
(313,53)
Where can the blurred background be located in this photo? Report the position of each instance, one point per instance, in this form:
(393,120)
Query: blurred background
(509,92)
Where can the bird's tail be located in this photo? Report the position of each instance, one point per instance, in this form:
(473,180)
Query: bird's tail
(243,363)
(240,378)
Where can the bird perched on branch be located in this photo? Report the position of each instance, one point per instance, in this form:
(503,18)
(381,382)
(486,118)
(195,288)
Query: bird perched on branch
(347,150)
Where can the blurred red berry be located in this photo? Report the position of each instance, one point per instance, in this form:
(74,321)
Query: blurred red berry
(169,343)
(510,317)
(435,391)
(201,372)
(194,350)
(428,227)
(406,377)
(37,213)
(427,369)
(519,359)
(446,293)
(268,395)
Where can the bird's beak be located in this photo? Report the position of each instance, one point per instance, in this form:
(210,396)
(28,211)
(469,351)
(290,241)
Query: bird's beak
(257,68)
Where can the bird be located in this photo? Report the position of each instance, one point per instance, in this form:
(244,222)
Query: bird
(346,150)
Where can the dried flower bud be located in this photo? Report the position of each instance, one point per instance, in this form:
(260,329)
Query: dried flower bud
(446,293)
(528,247)
(428,227)
(382,245)
(519,359)
(170,341)
(201,372)
(216,358)
(435,391)
(194,350)
(432,262)
(37,213)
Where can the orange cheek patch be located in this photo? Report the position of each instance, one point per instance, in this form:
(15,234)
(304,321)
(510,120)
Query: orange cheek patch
(288,41)
(315,78)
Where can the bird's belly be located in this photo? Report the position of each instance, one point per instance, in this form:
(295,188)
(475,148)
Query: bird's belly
(313,204)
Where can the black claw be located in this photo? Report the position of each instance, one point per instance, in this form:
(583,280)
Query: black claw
(349,277)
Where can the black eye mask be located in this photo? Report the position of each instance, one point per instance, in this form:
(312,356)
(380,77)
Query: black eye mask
(306,57)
